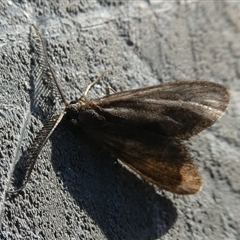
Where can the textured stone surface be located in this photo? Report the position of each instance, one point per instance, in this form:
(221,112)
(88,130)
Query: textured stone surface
(78,191)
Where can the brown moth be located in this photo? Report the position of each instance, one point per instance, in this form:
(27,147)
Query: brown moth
(145,128)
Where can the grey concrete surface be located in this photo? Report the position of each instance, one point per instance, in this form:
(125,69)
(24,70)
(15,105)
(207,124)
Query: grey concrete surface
(78,191)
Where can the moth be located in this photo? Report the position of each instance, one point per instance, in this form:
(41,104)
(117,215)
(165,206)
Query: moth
(144,128)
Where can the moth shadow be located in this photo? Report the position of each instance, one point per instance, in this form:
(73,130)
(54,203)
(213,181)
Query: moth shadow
(19,172)
(121,205)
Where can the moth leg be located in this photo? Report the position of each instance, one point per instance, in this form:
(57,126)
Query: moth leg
(108,89)
(91,85)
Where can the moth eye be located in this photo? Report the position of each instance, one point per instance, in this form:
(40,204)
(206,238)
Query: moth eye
(76,103)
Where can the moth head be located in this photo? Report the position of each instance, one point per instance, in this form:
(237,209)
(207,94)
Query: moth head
(72,109)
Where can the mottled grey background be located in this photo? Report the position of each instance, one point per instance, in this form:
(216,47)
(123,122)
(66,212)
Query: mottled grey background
(78,191)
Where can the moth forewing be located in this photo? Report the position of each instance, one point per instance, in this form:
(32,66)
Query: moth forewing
(178,109)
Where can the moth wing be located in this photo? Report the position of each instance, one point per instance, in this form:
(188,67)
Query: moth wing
(179,110)
(161,161)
